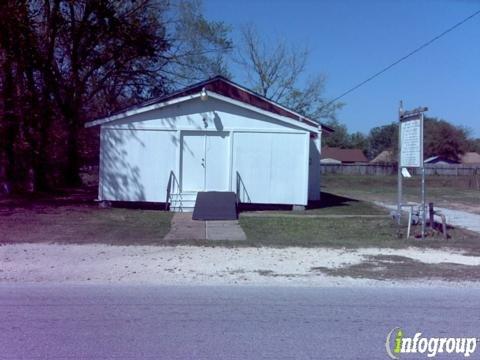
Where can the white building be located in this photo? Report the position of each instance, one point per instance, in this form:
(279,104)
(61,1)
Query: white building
(213,136)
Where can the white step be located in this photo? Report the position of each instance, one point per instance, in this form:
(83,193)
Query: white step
(183,202)
(181,209)
(184,196)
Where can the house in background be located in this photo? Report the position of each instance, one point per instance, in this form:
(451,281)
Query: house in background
(213,136)
(333,155)
(386,157)
(440,160)
(470,158)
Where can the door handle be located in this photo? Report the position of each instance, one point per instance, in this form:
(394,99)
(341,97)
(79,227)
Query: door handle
(203,162)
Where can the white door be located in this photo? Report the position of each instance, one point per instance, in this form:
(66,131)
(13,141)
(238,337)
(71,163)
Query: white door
(205,162)
(216,161)
(193,161)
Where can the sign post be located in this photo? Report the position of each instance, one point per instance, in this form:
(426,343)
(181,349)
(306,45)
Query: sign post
(410,155)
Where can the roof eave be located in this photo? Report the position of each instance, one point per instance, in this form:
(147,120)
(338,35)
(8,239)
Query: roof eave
(140,110)
(326,128)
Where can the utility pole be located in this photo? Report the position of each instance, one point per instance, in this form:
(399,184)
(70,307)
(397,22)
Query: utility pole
(424,205)
(399,170)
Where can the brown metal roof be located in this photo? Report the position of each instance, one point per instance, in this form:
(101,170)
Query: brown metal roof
(343,155)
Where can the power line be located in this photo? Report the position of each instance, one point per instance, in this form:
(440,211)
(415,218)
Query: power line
(421,47)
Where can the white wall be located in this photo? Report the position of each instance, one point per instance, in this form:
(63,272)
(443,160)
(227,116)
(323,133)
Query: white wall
(138,153)
(273,167)
(314,168)
(135,164)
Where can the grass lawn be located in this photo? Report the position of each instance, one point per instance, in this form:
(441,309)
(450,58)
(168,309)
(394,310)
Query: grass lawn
(336,221)
(332,204)
(445,191)
(352,232)
(82,224)
(276,228)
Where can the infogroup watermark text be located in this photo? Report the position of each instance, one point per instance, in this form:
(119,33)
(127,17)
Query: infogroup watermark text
(397,344)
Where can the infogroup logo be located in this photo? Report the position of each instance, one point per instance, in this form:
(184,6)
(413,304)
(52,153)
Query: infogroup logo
(397,343)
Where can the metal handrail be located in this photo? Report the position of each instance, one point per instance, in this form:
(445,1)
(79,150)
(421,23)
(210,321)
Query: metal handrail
(172,182)
(237,190)
(241,189)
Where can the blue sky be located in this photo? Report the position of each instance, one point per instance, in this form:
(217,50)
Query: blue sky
(350,40)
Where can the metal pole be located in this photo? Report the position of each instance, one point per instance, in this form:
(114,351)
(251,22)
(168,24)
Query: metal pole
(424,213)
(399,170)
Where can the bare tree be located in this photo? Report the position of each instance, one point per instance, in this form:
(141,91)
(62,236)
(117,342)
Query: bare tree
(199,47)
(276,71)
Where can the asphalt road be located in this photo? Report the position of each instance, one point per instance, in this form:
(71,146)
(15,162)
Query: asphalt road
(120,322)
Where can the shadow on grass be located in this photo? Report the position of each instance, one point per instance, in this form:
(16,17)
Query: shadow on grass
(328,200)
(245,207)
(82,197)
(46,203)
(138,205)
(60,197)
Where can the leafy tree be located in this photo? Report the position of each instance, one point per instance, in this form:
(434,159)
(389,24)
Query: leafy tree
(100,49)
(444,139)
(358,140)
(342,139)
(440,138)
(339,138)
(382,138)
(63,62)
(21,128)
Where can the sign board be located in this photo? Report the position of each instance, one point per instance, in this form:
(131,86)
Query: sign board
(405,173)
(411,154)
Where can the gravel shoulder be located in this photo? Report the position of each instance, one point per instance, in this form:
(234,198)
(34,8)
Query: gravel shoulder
(192,265)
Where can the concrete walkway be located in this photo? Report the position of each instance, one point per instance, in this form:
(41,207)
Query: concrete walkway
(459,218)
(184,228)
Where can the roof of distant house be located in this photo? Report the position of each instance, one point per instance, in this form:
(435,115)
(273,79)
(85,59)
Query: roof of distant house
(386,156)
(470,158)
(343,155)
(439,159)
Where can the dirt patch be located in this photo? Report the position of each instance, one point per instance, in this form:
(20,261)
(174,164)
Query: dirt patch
(394,267)
(81,224)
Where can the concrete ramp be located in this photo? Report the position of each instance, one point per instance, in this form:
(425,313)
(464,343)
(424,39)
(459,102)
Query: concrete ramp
(215,205)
